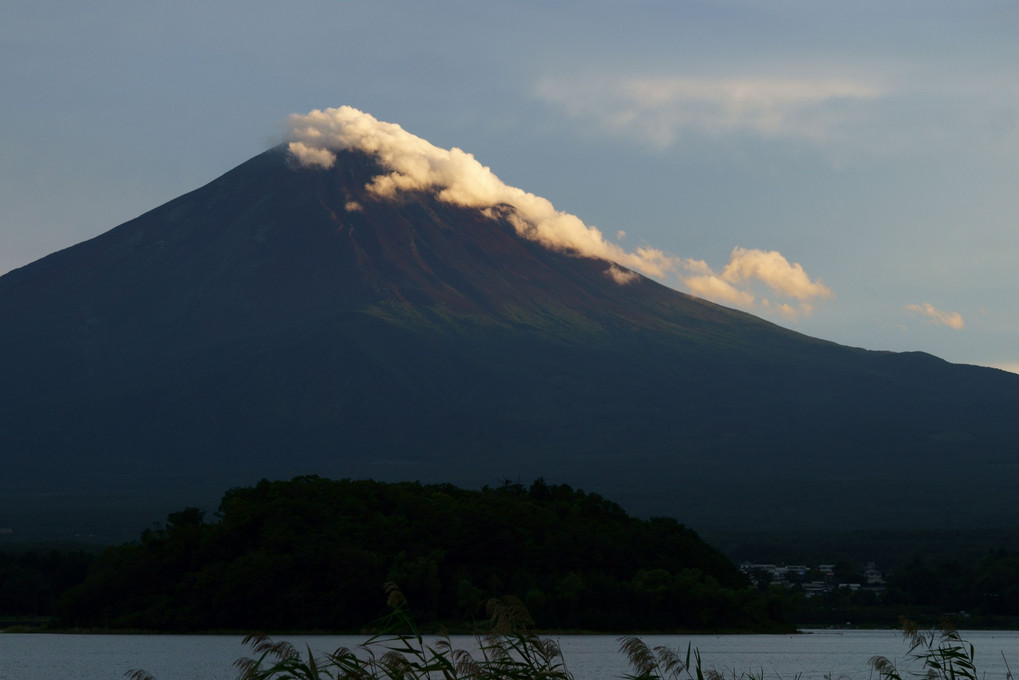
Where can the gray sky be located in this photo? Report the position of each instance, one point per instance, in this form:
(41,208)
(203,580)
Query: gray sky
(875,144)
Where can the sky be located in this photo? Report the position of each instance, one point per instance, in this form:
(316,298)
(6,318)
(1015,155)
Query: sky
(847,170)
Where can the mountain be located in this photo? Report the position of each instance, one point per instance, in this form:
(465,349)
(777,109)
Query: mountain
(274,323)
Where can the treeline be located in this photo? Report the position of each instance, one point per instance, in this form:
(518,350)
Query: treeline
(313,553)
(979,593)
(891,549)
(986,590)
(32,580)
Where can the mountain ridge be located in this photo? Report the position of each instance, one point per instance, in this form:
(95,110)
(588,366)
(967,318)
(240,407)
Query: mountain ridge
(279,321)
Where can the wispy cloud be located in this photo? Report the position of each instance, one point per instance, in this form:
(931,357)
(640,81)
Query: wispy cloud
(661,109)
(935,315)
(747,267)
(454,176)
(410,163)
(620,275)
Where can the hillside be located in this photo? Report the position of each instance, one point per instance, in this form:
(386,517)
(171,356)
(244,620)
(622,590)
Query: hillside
(314,553)
(262,327)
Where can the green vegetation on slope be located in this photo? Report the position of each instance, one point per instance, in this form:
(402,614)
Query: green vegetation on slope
(310,554)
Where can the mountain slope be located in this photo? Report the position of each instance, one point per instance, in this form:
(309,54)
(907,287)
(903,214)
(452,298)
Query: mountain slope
(274,322)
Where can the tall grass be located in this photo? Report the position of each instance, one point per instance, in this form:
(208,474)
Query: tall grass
(940,654)
(662,663)
(933,655)
(509,650)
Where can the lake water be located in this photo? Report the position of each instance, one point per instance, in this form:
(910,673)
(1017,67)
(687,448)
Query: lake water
(838,654)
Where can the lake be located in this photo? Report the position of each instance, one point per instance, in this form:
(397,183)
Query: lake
(812,656)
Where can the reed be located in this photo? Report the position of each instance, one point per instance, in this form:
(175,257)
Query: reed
(933,655)
(508,649)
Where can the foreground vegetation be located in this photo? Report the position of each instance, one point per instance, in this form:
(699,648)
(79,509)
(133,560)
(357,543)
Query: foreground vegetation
(297,555)
(509,650)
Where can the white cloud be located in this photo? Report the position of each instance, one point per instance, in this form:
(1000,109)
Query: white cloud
(661,109)
(750,266)
(621,276)
(454,176)
(410,163)
(935,315)
(713,288)
(775,271)
(786,310)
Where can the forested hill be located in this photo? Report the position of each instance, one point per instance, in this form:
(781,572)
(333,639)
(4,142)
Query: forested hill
(314,553)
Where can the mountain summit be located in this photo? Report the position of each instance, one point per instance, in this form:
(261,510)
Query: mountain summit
(324,310)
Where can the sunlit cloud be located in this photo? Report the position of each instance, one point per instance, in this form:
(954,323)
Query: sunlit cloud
(935,315)
(771,268)
(621,276)
(661,109)
(454,176)
(788,311)
(712,287)
(411,164)
(749,266)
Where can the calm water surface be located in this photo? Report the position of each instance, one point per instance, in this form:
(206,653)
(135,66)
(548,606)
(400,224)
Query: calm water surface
(594,657)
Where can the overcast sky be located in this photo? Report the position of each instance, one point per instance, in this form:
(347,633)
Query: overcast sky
(874,144)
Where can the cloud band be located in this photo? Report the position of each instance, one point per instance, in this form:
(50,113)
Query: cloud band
(411,163)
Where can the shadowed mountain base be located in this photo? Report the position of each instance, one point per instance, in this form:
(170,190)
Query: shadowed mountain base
(261,327)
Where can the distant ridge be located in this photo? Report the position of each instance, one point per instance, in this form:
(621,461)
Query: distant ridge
(274,323)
